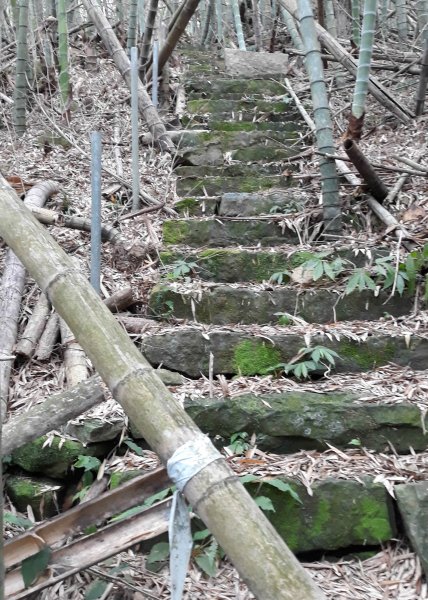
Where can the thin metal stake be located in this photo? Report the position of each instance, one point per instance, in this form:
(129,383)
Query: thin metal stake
(96,210)
(134,128)
(155,72)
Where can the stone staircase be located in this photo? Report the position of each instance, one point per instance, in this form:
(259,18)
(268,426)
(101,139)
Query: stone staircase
(239,221)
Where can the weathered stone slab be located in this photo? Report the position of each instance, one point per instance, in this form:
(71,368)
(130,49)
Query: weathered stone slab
(231,265)
(290,125)
(223,305)
(270,202)
(237,178)
(294,421)
(213,232)
(221,87)
(412,499)
(254,64)
(244,205)
(187,350)
(225,106)
(211,148)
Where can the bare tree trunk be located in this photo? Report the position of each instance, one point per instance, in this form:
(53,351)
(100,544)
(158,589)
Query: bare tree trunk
(118,54)
(198,469)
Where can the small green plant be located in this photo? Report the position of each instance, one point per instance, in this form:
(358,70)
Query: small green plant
(238,443)
(181,268)
(307,361)
(280,277)
(318,266)
(90,465)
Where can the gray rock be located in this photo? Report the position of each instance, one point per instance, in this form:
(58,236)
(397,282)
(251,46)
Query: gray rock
(254,64)
(291,421)
(412,499)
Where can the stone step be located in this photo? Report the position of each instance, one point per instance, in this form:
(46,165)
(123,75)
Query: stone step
(244,205)
(243,116)
(193,182)
(231,265)
(223,87)
(219,304)
(214,232)
(253,350)
(291,421)
(203,106)
(214,148)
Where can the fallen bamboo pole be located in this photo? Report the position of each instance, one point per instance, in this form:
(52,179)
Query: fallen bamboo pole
(212,489)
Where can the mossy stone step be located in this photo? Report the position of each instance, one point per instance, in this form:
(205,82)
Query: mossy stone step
(215,185)
(231,265)
(216,107)
(233,170)
(242,116)
(187,350)
(213,232)
(222,305)
(253,126)
(231,140)
(292,421)
(212,148)
(244,205)
(224,87)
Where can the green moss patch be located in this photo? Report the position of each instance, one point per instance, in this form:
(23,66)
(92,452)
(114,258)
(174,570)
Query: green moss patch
(252,357)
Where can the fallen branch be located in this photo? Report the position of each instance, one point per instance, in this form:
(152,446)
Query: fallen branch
(34,328)
(268,566)
(364,168)
(51,414)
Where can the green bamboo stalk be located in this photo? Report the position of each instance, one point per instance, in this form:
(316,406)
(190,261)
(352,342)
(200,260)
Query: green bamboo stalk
(238,24)
(132,25)
(422,16)
(366,49)
(401,13)
(332,215)
(20,92)
(355,11)
(219,17)
(64,74)
(211,488)
(292,29)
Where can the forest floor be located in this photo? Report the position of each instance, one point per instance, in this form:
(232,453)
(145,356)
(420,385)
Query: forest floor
(102,103)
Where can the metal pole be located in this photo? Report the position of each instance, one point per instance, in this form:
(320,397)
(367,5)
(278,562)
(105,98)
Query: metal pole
(134,128)
(155,73)
(96,210)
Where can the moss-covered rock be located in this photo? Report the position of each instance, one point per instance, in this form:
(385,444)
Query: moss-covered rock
(217,185)
(187,349)
(42,494)
(56,457)
(92,430)
(221,87)
(229,233)
(339,514)
(202,106)
(293,421)
(252,357)
(222,305)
